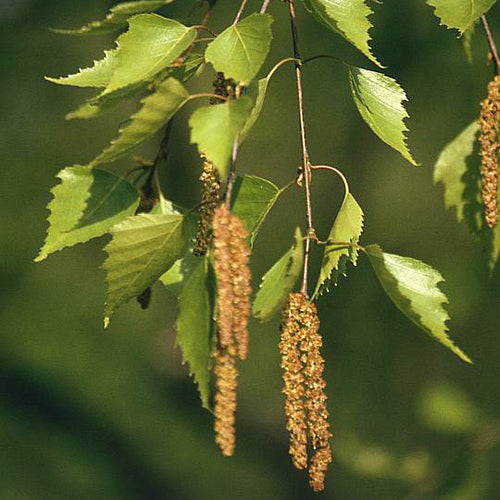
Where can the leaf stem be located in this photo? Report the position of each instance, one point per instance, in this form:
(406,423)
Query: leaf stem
(208,94)
(491,43)
(264,7)
(240,11)
(336,171)
(322,56)
(278,65)
(206,28)
(305,153)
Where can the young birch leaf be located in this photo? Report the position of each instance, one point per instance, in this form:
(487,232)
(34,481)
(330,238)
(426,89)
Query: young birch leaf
(412,286)
(452,165)
(379,100)
(193,328)
(257,92)
(460,14)
(349,18)
(240,51)
(157,110)
(98,75)
(143,248)
(215,129)
(116,18)
(347,228)
(85,205)
(279,281)
(253,199)
(150,45)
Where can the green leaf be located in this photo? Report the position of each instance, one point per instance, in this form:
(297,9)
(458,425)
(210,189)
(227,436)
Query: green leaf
(157,109)
(240,51)
(85,205)
(257,92)
(349,18)
(98,75)
(460,14)
(173,277)
(143,248)
(193,327)
(279,281)
(412,286)
(451,167)
(150,45)
(467,43)
(347,228)
(379,100)
(117,17)
(215,129)
(253,198)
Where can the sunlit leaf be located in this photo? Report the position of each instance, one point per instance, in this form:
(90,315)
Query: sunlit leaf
(379,100)
(347,228)
(349,18)
(460,14)
(253,198)
(143,248)
(150,45)
(279,281)
(117,17)
(98,75)
(215,129)
(412,286)
(157,109)
(86,204)
(241,49)
(257,92)
(193,327)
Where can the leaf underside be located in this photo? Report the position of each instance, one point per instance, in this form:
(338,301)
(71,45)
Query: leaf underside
(86,204)
(279,281)
(240,51)
(412,286)
(347,228)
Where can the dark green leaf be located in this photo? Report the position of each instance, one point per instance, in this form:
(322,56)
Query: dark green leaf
(379,100)
(412,286)
(240,51)
(116,18)
(193,327)
(349,18)
(347,228)
(143,248)
(157,109)
(85,205)
(279,281)
(253,199)
(216,128)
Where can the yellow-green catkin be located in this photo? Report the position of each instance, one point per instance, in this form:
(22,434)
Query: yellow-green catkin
(210,197)
(489,138)
(305,401)
(231,263)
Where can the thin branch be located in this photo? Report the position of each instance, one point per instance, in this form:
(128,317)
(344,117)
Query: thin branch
(232,177)
(264,7)
(491,43)
(322,56)
(305,153)
(240,11)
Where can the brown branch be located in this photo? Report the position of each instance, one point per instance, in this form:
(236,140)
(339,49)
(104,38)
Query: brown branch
(491,43)
(305,153)
(240,11)
(264,7)
(232,177)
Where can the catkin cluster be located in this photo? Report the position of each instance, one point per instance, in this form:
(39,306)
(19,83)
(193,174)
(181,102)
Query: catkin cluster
(305,403)
(224,87)
(231,259)
(210,196)
(489,138)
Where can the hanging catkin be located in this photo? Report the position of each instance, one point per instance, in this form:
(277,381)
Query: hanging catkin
(231,259)
(305,400)
(209,200)
(489,138)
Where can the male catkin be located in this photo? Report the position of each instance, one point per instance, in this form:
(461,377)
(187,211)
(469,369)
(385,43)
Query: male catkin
(489,138)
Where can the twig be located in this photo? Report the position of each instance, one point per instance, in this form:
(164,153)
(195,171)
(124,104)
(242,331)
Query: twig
(322,56)
(491,42)
(264,7)
(305,153)
(232,177)
(240,11)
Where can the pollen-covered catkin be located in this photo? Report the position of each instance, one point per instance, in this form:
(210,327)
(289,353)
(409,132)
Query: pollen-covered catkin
(489,138)
(305,405)
(209,199)
(231,262)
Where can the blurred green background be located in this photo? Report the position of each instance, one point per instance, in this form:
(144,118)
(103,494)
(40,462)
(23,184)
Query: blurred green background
(93,414)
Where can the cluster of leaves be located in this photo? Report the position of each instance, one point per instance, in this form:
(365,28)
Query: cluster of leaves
(153,60)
